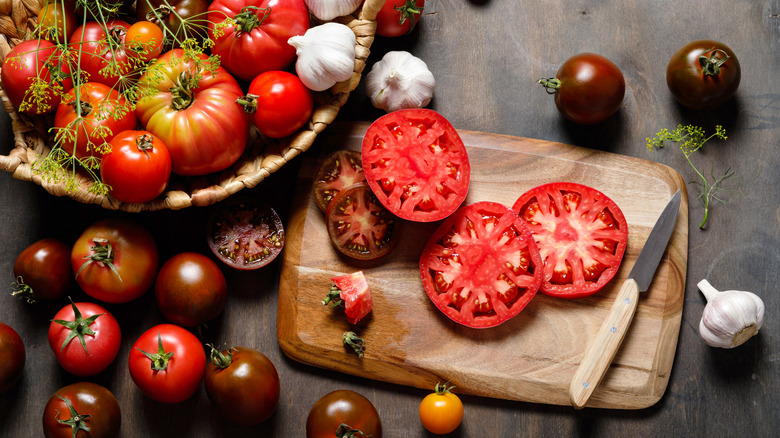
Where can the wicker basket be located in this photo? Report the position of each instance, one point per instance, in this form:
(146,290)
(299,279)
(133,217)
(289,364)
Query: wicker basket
(262,157)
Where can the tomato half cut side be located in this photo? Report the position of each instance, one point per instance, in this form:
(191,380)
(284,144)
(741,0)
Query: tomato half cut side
(359,226)
(416,164)
(481,267)
(339,170)
(581,234)
(245,234)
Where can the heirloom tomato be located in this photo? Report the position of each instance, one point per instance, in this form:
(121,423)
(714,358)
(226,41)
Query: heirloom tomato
(416,164)
(242,384)
(35,74)
(339,170)
(180,19)
(82,409)
(145,40)
(588,88)
(57,21)
(43,271)
(703,74)
(86,127)
(167,363)
(102,53)
(137,168)
(343,410)
(581,234)
(351,291)
(278,103)
(12,356)
(190,289)
(481,267)
(398,17)
(115,260)
(256,40)
(442,411)
(195,113)
(85,338)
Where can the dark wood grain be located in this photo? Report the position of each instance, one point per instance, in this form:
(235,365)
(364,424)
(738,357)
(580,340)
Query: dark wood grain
(486,56)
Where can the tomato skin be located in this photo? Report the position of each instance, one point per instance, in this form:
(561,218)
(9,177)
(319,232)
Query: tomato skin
(388,19)
(190,289)
(44,267)
(688,82)
(343,406)
(137,168)
(28,61)
(145,40)
(441,412)
(247,390)
(282,106)
(87,398)
(185,369)
(102,346)
(251,49)
(57,21)
(98,47)
(135,259)
(12,356)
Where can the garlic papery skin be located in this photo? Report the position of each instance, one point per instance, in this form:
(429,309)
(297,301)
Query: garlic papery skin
(326,55)
(730,317)
(326,10)
(399,81)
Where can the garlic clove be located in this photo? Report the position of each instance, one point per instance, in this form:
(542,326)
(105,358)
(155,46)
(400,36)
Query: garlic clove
(326,55)
(399,81)
(326,10)
(730,318)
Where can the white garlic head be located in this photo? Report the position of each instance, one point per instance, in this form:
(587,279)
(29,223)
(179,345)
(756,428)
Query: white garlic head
(329,9)
(326,55)
(399,81)
(730,317)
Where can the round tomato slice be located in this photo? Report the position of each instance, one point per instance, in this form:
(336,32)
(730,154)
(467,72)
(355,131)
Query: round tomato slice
(581,234)
(359,226)
(341,169)
(481,267)
(416,164)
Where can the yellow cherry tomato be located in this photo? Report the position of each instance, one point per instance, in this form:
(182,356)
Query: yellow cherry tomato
(442,411)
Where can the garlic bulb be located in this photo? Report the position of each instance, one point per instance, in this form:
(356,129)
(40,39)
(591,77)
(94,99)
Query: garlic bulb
(326,55)
(399,81)
(329,9)
(730,318)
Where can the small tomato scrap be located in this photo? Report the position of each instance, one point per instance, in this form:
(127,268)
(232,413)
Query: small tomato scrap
(442,411)
(351,291)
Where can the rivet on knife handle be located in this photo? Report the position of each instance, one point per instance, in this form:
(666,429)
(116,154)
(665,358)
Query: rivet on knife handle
(608,339)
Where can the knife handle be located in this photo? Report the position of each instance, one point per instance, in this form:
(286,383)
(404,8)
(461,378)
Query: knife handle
(608,339)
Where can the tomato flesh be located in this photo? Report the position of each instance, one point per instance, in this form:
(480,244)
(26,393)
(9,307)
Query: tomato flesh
(356,296)
(339,170)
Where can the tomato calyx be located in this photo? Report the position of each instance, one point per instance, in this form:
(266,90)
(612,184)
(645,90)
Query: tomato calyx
(144,142)
(159,14)
(249,18)
(76,421)
(182,95)
(78,327)
(23,290)
(409,11)
(346,431)
(333,298)
(551,85)
(102,252)
(710,65)
(161,358)
(114,38)
(219,359)
(443,389)
(355,342)
(248,103)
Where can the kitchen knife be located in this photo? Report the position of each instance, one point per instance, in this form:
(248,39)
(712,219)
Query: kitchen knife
(609,337)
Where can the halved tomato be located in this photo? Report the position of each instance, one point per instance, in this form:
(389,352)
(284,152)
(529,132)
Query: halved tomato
(581,234)
(359,226)
(481,267)
(339,170)
(416,164)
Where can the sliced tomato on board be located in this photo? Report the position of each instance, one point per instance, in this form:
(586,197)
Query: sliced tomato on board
(339,170)
(416,164)
(481,267)
(353,291)
(581,234)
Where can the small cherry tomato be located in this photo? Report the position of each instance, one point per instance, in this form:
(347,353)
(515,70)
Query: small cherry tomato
(145,40)
(398,17)
(343,411)
(57,22)
(442,411)
(190,289)
(278,103)
(82,409)
(12,357)
(138,166)
(703,74)
(43,271)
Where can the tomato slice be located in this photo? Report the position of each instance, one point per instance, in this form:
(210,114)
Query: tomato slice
(341,169)
(481,267)
(245,234)
(355,294)
(581,234)
(359,226)
(416,164)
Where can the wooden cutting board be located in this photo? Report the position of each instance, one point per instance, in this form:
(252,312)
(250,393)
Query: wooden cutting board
(529,358)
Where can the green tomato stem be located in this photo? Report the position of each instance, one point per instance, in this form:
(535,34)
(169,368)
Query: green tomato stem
(161,358)
(710,65)
(551,85)
(79,327)
(76,421)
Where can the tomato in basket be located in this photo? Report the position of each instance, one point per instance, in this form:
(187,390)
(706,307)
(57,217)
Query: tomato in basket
(34,73)
(99,46)
(278,103)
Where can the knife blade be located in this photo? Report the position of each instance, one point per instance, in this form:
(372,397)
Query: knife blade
(612,331)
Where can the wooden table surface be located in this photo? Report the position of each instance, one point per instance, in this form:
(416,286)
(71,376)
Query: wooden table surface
(486,56)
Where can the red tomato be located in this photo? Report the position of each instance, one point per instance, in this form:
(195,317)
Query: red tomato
(85,338)
(343,408)
(35,75)
(43,271)
(190,289)
(257,42)
(441,411)
(167,363)
(359,226)
(91,122)
(102,53)
(588,88)
(145,40)
(278,103)
(57,22)
(416,164)
(137,168)
(181,19)
(703,74)
(581,234)
(353,293)
(398,17)
(12,356)
(481,267)
(339,170)
(82,409)
(115,260)
(203,127)
(242,384)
